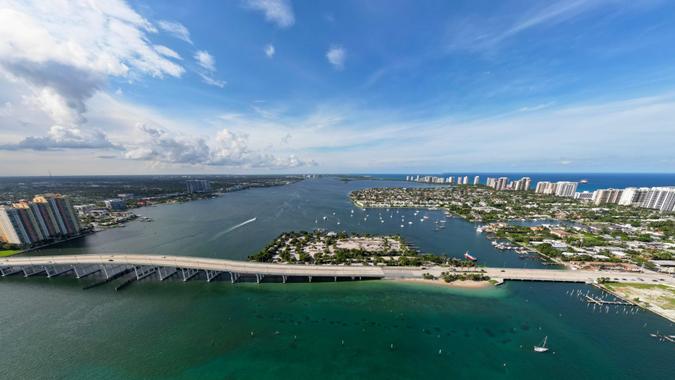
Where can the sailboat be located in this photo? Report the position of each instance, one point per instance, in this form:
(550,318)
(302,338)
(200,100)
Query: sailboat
(543,347)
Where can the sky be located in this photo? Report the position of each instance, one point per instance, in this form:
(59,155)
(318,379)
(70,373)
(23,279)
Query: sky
(365,86)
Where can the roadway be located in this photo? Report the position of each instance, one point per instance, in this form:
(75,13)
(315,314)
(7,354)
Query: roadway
(255,268)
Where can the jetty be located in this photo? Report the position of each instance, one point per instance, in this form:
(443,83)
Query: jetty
(599,301)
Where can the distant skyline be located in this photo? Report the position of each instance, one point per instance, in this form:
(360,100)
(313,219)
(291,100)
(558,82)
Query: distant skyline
(264,86)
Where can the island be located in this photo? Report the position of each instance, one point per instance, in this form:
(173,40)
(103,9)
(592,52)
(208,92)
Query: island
(331,248)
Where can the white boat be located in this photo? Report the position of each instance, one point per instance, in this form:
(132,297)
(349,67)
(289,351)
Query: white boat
(469,257)
(543,347)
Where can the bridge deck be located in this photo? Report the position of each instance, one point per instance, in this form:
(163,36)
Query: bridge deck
(294,270)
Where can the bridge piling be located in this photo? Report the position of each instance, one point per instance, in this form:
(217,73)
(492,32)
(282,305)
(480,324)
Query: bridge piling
(143,271)
(211,275)
(111,271)
(53,270)
(165,273)
(188,273)
(234,277)
(32,270)
(82,272)
(8,271)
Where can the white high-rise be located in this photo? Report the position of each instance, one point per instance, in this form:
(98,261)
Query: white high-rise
(603,196)
(522,184)
(565,188)
(660,198)
(633,196)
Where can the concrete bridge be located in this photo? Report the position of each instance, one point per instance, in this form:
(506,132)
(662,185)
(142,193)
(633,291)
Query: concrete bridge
(114,265)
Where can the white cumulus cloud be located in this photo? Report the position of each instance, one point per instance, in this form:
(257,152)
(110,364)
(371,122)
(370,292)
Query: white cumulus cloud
(336,55)
(61,137)
(205,60)
(278,12)
(226,148)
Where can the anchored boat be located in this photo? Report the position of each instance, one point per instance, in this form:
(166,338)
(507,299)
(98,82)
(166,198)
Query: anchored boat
(543,347)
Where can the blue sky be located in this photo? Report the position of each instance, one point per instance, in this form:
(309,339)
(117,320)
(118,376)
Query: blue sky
(263,86)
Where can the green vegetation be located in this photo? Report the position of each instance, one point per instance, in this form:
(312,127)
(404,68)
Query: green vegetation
(658,294)
(348,249)
(667,227)
(8,252)
(451,277)
(83,190)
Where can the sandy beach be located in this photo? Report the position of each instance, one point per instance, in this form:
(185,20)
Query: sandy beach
(455,284)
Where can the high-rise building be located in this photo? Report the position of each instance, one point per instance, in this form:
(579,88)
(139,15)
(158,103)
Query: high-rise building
(31,223)
(476,180)
(565,188)
(48,216)
(603,196)
(491,182)
(198,186)
(541,187)
(633,196)
(63,212)
(546,187)
(660,198)
(501,183)
(466,180)
(522,184)
(52,224)
(11,227)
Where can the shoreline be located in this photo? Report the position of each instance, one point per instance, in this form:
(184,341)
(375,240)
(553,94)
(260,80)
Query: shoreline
(39,247)
(663,313)
(459,284)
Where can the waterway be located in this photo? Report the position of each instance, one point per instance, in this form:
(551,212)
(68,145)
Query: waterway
(53,329)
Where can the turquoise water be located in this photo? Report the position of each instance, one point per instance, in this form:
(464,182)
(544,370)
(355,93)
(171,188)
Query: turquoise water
(52,329)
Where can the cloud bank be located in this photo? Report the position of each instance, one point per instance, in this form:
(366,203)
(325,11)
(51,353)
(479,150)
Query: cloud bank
(61,55)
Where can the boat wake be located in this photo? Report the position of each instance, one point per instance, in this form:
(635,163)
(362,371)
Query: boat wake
(220,234)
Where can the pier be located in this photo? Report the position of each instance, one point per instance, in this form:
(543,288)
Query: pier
(111,266)
(598,301)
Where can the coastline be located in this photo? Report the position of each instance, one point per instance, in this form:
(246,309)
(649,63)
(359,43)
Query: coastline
(459,284)
(664,313)
(38,247)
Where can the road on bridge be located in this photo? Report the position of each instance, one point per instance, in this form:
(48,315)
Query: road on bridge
(255,268)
